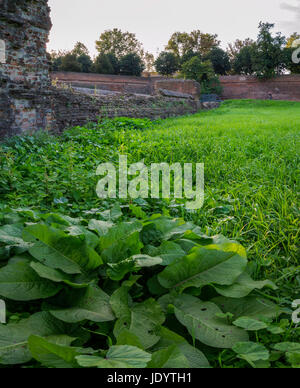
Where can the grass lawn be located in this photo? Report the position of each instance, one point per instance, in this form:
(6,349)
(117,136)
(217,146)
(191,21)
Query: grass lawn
(251,154)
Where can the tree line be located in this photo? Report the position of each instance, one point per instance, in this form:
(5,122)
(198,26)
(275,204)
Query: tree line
(194,55)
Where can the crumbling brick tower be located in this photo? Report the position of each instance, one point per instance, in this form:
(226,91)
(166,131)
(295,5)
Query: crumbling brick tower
(24,66)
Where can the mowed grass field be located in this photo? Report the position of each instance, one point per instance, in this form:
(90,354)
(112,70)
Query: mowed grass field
(250,150)
(251,154)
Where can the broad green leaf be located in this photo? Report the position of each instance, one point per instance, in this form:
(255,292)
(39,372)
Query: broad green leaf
(288,347)
(252,307)
(273,329)
(170,357)
(60,219)
(126,337)
(18,281)
(144,320)
(251,352)
(53,355)
(101,227)
(121,242)
(243,286)
(12,235)
(121,302)
(14,337)
(194,356)
(147,261)
(213,264)
(117,271)
(155,288)
(169,252)
(201,322)
(55,275)
(57,250)
(92,305)
(250,324)
(91,239)
(117,357)
(294,359)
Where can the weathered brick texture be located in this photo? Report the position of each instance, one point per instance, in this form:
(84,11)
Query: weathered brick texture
(28,102)
(286,87)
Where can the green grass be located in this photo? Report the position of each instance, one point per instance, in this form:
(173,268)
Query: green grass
(251,154)
(250,151)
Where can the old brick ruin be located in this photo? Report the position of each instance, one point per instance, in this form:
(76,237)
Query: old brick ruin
(28,102)
(24,68)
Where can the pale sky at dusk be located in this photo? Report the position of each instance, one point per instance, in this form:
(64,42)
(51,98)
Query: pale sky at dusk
(154,21)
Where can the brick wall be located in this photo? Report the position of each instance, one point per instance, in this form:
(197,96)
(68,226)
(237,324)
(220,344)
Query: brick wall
(71,108)
(126,84)
(281,88)
(28,102)
(24,72)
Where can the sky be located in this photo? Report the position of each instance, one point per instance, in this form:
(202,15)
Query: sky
(154,21)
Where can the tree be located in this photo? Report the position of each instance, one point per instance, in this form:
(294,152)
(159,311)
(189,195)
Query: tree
(131,64)
(220,60)
(167,63)
(198,42)
(85,62)
(189,55)
(235,48)
(103,65)
(149,62)
(202,72)
(197,70)
(80,49)
(179,44)
(118,43)
(242,63)
(268,56)
(69,63)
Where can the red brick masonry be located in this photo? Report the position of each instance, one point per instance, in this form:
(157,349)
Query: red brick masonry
(286,87)
(126,84)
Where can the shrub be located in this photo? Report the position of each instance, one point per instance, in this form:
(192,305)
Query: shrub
(131,64)
(167,63)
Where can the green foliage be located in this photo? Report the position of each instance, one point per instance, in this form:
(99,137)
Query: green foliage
(198,70)
(268,54)
(124,303)
(103,65)
(242,63)
(77,60)
(167,63)
(198,42)
(202,72)
(65,307)
(220,60)
(86,63)
(118,43)
(69,63)
(131,64)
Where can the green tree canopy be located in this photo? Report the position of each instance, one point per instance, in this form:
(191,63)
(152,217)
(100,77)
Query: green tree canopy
(268,57)
(70,63)
(80,49)
(118,43)
(242,63)
(167,63)
(220,60)
(198,42)
(103,65)
(131,64)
